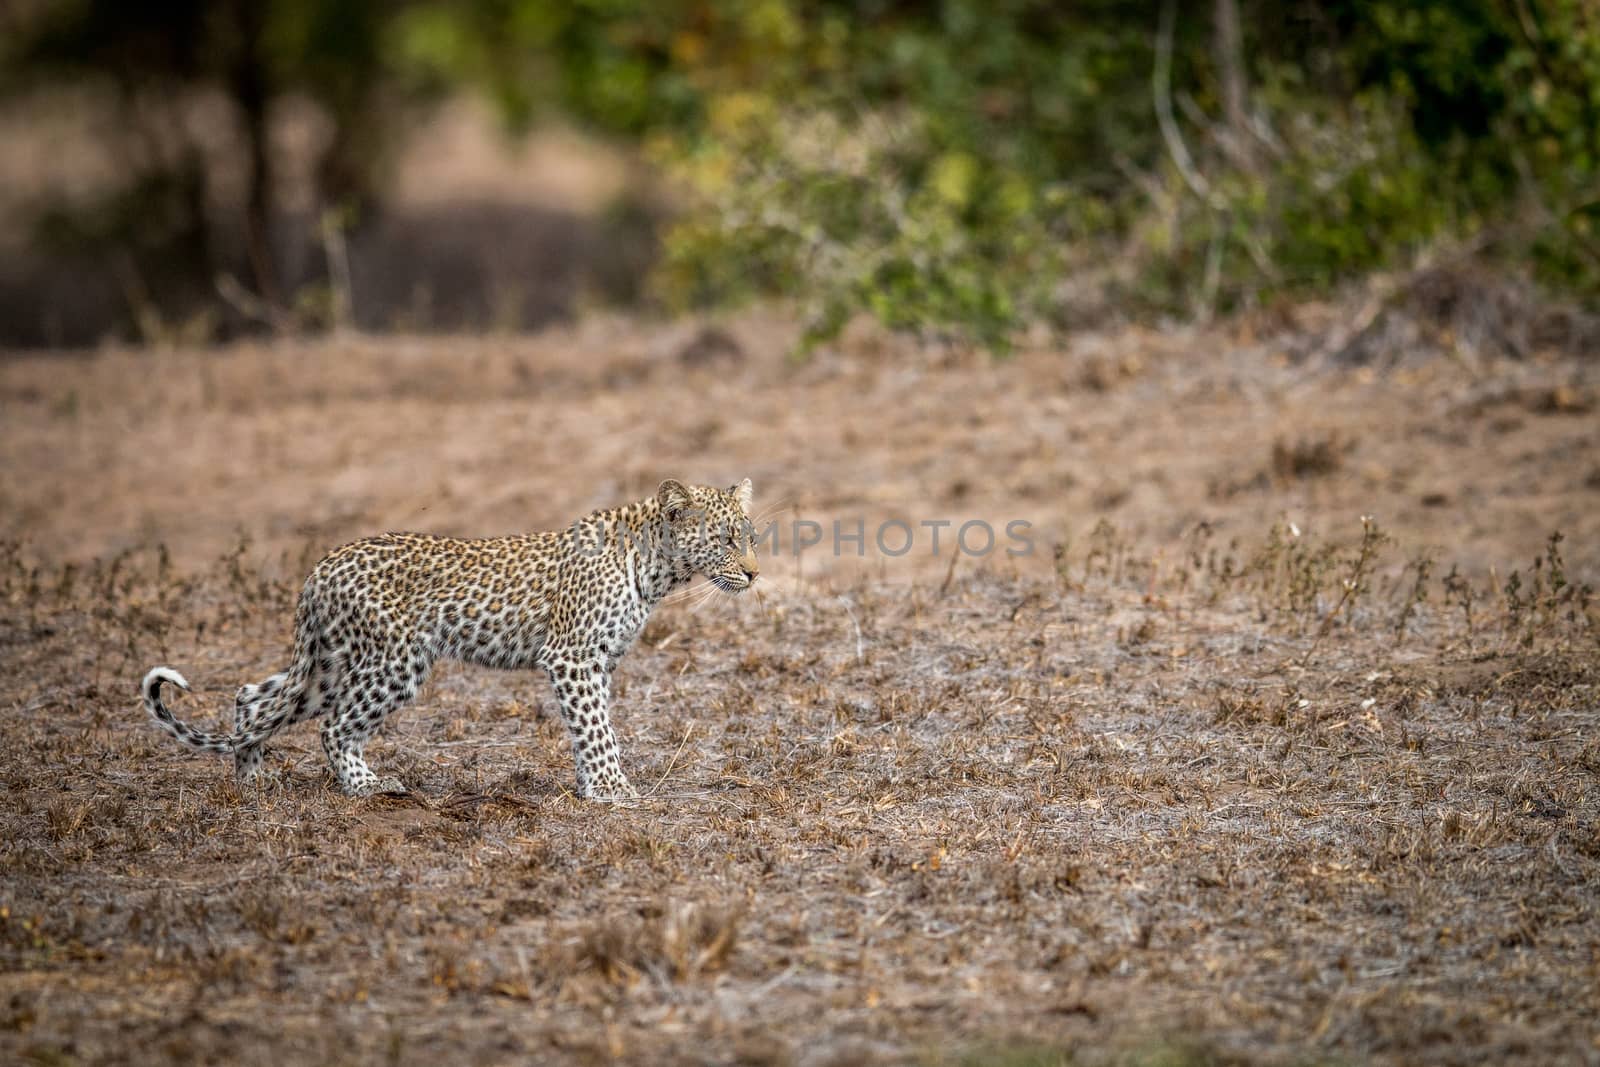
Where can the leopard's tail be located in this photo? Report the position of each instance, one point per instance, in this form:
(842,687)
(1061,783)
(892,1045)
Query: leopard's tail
(290,703)
(199,740)
(288,699)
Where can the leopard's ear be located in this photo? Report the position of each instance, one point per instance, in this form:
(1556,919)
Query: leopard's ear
(742,493)
(674,498)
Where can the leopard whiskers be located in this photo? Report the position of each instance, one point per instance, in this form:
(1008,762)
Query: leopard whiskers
(693,597)
(784,504)
(687,593)
(692,607)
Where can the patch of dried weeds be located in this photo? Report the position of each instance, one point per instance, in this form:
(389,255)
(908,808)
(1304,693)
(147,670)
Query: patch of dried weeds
(1259,805)
(1219,774)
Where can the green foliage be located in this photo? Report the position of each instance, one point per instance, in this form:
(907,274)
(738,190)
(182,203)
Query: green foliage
(950,165)
(1343,190)
(947,166)
(858,217)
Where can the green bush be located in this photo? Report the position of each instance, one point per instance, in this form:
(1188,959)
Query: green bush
(948,167)
(962,167)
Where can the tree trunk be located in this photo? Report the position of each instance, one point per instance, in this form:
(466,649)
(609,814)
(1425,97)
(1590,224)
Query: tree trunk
(1234,82)
(252,93)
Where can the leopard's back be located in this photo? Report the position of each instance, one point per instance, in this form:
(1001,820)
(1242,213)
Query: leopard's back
(484,600)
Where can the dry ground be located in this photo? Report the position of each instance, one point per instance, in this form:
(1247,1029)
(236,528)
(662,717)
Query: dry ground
(1216,774)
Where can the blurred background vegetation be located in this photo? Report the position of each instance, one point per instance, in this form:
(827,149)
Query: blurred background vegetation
(964,168)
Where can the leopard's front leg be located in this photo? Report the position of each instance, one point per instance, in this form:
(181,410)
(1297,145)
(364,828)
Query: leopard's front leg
(583,687)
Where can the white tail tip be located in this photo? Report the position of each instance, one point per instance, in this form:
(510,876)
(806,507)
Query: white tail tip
(158,675)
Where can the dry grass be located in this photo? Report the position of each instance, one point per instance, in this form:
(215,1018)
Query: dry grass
(1224,775)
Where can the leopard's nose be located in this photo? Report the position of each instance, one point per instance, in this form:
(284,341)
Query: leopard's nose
(747,562)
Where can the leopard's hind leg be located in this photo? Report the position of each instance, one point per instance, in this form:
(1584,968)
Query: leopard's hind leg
(371,690)
(254,701)
(248,706)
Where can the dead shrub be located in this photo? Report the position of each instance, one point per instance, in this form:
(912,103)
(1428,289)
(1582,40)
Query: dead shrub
(1309,457)
(683,942)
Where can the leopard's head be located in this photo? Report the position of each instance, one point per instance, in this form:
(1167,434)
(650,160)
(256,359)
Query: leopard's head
(708,532)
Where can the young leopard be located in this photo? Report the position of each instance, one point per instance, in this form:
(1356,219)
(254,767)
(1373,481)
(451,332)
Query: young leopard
(375,615)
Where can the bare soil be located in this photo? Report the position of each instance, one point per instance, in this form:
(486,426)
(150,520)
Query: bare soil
(1217,772)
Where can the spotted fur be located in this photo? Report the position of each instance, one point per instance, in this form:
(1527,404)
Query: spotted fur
(375,615)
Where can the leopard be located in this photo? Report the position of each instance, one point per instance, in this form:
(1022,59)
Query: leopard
(374,616)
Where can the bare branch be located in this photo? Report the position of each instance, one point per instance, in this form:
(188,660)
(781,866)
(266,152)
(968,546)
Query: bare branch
(1161,90)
